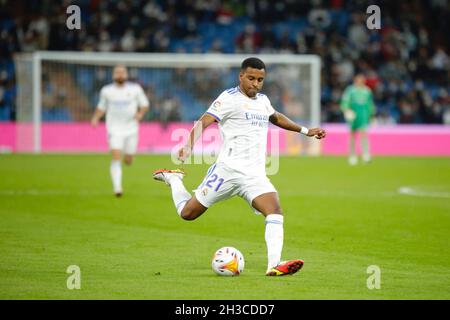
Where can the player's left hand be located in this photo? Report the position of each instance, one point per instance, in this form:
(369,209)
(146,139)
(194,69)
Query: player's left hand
(184,153)
(317,133)
(349,115)
(94,122)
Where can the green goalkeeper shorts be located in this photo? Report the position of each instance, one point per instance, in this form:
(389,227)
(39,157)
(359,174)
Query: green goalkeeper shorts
(359,123)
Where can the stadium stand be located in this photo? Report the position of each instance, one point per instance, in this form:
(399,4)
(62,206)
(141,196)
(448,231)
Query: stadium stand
(408,66)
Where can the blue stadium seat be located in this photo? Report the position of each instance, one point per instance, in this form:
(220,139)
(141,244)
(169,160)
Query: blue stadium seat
(5,112)
(84,78)
(56,114)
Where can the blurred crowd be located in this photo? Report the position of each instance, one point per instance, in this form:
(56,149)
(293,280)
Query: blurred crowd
(406,62)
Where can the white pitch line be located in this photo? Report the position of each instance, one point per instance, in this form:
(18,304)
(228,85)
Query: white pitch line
(334,193)
(85,193)
(402,190)
(418,193)
(34,192)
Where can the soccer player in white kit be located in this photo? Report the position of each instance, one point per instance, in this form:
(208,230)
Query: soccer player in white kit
(243,116)
(125,104)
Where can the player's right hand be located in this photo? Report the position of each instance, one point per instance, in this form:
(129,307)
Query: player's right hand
(94,122)
(184,153)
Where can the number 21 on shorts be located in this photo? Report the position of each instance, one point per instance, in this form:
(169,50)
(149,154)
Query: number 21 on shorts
(214,181)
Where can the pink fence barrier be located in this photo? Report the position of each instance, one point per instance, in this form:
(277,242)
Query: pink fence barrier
(7,136)
(416,140)
(82,137)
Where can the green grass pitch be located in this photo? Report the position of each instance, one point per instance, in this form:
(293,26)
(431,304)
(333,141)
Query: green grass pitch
(58,210)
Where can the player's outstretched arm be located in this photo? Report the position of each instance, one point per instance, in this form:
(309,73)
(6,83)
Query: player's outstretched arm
(280,120)
(204,122)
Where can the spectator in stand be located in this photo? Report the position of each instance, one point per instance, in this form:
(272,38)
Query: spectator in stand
(411,46)
(249,40)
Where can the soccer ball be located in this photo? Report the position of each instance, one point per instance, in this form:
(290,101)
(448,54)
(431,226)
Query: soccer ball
(228,261)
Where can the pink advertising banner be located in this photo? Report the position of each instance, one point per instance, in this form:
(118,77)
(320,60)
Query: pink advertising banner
(413,140)
(402,140)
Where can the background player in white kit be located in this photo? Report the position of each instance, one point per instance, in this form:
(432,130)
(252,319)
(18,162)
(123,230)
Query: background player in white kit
(243,115)
(125,104)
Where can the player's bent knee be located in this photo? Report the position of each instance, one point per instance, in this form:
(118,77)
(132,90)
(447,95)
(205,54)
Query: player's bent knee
(189,215)
(128,160)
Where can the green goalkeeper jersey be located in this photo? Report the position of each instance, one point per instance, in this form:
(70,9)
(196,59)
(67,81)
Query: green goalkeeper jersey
(359,99)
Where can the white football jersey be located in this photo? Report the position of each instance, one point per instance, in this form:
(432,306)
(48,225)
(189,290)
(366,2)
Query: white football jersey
(121,104)
(243,124)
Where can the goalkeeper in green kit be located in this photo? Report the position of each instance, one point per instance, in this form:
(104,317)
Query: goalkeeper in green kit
(358,108)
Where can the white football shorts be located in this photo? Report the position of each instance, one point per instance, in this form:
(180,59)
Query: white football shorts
(128,144)
(222,182)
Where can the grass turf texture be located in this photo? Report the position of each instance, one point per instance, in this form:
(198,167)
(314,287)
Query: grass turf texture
(59,210)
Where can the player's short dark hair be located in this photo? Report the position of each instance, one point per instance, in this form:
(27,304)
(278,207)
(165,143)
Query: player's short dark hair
(254,63)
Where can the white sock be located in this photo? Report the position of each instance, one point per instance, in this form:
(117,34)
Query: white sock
(116,175)
(180,195)
(353,146)
(365,148)
(274,239)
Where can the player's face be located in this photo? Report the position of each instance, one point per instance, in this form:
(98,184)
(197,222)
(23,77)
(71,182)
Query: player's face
(120,75)
(360,80)
(251,81)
